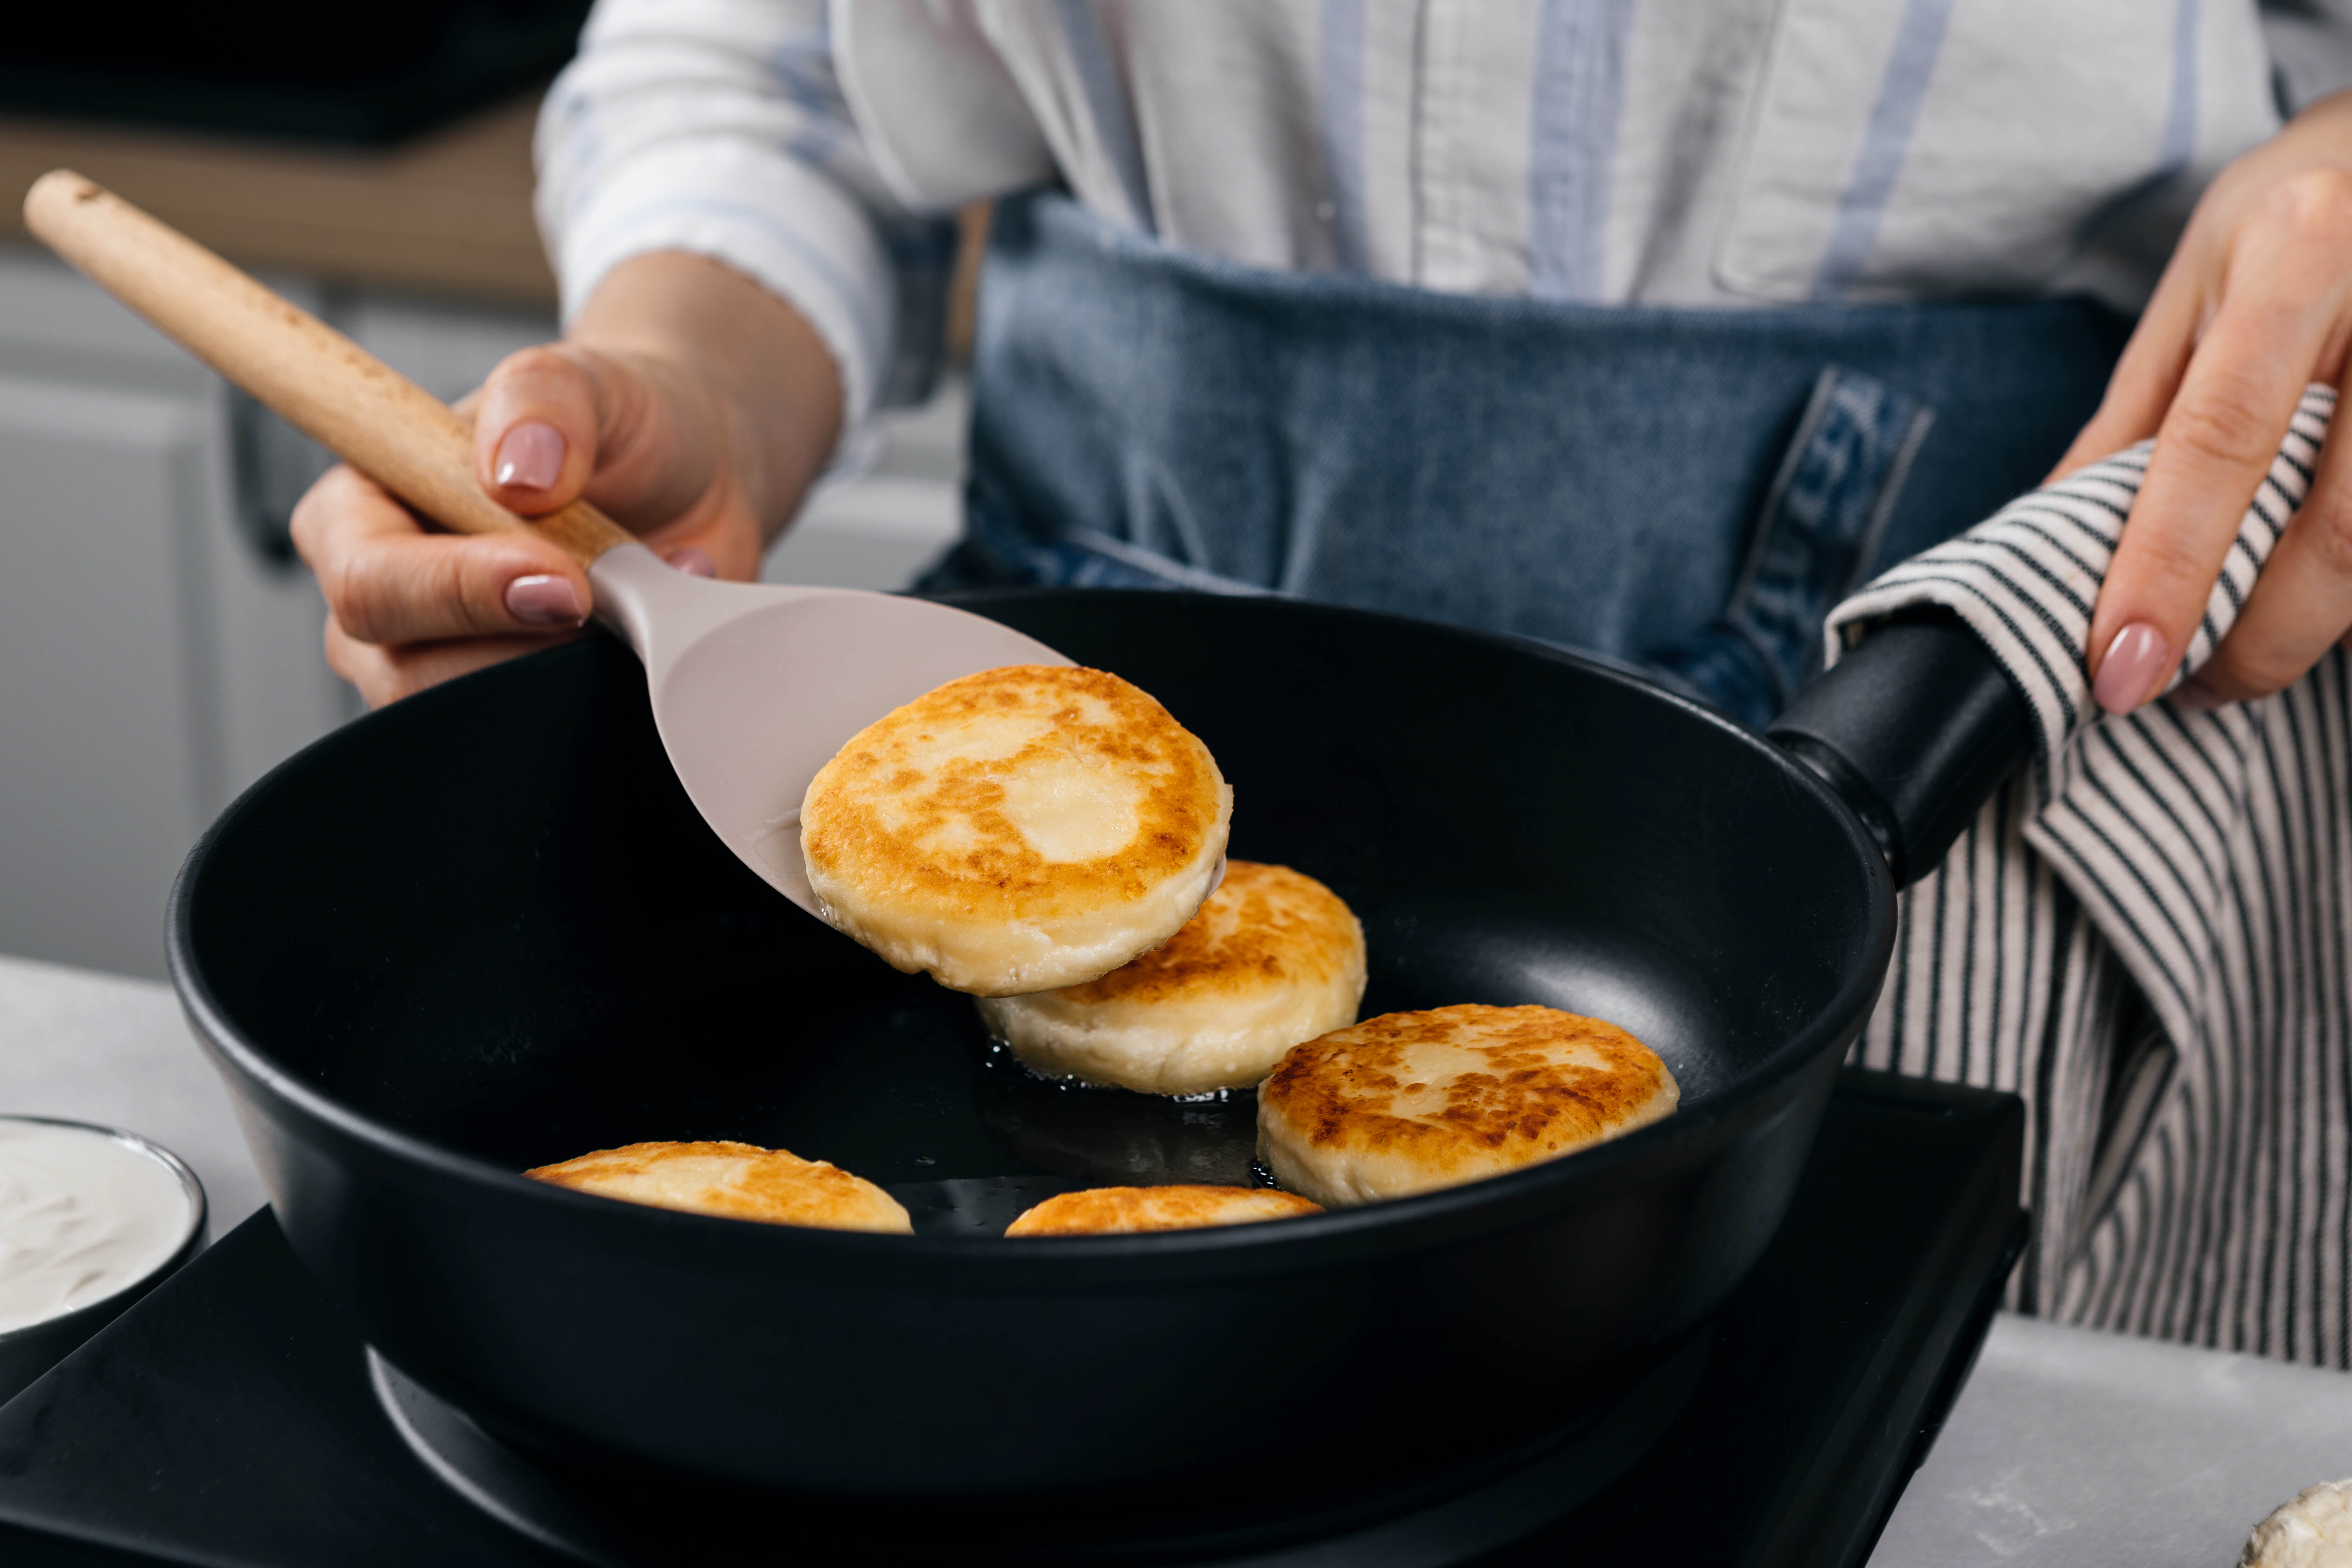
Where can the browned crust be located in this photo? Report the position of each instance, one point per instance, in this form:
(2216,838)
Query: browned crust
(1001,876)
(1102,1210)
(772,1185)
(1267,926)
(1340,1091)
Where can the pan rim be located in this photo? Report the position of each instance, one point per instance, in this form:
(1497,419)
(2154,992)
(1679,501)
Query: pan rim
(1499,1201)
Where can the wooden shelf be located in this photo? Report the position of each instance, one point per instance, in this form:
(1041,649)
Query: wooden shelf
(448,213)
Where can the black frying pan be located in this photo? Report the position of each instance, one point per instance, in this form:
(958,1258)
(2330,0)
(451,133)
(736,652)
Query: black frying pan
(483,930)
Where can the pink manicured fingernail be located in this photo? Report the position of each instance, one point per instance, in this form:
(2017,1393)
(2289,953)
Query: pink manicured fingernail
(543,600)
(2135,661)
(693,562)
(530,458)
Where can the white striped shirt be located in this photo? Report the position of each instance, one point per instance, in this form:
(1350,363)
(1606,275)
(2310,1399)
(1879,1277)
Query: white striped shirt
(2148,934)
(1709,152)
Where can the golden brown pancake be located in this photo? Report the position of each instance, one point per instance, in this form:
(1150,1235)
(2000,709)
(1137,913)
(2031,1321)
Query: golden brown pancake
(1409,1102)
(1016,830)
(1273,958)
(1102,1211)
(742,1181)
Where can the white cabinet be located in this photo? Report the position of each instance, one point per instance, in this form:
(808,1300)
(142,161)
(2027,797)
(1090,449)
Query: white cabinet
(150,664)
(159,651)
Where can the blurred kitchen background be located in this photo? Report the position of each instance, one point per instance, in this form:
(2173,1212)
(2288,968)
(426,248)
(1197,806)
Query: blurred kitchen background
(158,641)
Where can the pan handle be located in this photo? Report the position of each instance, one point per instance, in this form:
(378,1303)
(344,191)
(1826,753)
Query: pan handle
(1914,729)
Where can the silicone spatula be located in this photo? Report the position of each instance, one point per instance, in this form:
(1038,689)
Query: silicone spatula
(754,687)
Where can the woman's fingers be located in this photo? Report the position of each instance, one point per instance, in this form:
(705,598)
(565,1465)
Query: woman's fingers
(388,582)
(2276,321)
(695,422)
(2302,601)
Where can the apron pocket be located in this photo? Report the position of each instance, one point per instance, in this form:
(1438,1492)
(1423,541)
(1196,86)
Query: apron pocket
(1819,527)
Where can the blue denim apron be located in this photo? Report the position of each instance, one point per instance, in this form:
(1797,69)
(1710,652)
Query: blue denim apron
(1686,491)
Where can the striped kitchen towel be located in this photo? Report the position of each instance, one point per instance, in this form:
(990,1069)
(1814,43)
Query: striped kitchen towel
(2147,933)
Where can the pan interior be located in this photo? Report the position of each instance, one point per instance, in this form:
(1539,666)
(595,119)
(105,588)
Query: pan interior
(487,917)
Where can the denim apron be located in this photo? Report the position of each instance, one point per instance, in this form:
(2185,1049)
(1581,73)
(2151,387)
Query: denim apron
(1684,491)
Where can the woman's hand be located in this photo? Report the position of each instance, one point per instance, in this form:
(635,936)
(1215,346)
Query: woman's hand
(2255,305)
(687,403)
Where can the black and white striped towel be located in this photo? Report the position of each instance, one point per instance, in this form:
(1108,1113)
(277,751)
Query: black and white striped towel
(2147,933)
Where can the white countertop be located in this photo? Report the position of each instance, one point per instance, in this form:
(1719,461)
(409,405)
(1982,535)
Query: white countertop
(2068,1446)
(2103,1451)
(100,1047)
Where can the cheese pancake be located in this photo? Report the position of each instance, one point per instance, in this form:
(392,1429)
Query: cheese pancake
(2312,1530)
(1273,958)
(740,1181)
(1017,830)
(1105,1211)
(1409,1102)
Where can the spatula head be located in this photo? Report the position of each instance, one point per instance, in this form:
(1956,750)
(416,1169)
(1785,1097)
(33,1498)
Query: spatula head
(755,687)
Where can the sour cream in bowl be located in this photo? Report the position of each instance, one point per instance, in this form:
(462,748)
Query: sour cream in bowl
(90,1219)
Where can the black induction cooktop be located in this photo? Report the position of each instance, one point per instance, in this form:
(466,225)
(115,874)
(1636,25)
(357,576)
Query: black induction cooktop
(234,1419)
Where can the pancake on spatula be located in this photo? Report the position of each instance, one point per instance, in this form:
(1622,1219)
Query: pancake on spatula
(1017,830)
(1273,958)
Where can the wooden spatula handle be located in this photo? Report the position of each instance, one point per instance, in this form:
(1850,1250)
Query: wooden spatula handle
(318,380)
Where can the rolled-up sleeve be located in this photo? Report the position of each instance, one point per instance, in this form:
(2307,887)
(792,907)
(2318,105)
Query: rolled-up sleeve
(719,127)
(2311,48)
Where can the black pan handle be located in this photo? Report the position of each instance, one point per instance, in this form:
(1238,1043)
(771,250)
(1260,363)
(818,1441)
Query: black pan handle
(1914,729)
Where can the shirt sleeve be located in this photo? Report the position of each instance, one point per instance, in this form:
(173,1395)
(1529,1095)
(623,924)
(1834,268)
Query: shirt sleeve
(719,127)
(2311,48)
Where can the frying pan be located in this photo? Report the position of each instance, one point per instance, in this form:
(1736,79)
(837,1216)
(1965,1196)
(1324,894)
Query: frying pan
(483,930)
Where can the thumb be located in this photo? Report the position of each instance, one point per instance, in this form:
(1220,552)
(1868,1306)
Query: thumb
(535,430)
(629,433)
